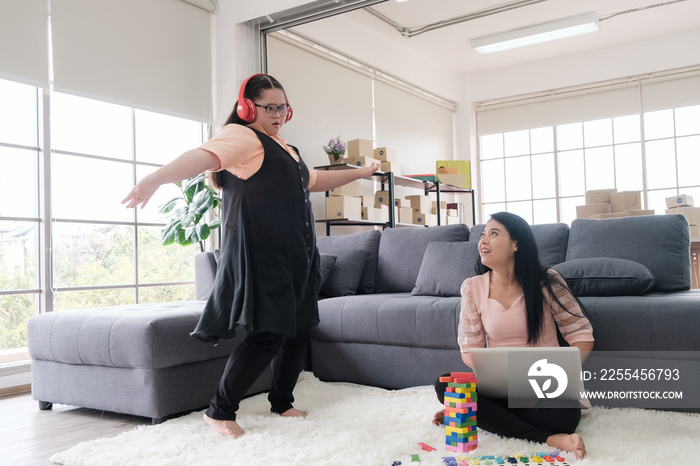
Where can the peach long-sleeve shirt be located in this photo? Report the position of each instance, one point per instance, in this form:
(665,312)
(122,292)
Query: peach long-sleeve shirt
(240,151)
(485,320)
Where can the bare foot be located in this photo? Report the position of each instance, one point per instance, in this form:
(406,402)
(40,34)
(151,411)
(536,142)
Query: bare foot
(293,412)
(439,418)
(572,443)
(230,428)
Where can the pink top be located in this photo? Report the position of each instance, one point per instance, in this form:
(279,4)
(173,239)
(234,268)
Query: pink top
(240,151)
(485,320)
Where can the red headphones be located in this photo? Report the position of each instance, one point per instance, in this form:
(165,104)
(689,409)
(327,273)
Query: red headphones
(246,108)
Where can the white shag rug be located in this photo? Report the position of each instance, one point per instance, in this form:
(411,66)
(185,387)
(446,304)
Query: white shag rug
(351,424)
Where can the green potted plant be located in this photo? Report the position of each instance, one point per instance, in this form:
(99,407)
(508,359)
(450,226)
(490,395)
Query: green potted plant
(187,223)
(335,149)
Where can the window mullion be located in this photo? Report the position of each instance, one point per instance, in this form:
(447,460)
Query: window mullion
(136,223)
(45,213)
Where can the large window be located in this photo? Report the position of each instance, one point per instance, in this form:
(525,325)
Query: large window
(101,254)
(19,211)
(542,173)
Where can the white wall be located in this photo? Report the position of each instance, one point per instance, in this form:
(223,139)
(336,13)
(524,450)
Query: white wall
(235,57)
(349,34)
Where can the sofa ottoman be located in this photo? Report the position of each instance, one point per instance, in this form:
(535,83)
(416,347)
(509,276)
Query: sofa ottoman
(137,359)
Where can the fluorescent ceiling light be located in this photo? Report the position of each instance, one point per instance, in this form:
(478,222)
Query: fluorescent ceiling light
(569,27)
(401,1)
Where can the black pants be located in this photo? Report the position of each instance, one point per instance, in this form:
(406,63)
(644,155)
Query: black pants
(248,361)
(534,424)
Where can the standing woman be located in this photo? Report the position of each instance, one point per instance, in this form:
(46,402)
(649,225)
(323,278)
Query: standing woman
(268,276)
(516,302)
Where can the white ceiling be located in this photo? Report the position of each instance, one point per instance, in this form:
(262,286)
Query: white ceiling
(450,45)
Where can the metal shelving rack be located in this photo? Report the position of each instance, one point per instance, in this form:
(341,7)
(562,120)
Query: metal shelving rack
(389,181)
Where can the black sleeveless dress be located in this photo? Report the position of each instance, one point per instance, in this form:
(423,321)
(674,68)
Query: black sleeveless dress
(268,272)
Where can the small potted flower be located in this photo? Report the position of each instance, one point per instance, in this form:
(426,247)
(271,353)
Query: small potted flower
(335,150)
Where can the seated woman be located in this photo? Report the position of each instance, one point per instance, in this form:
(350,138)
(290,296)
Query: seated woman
(516,302)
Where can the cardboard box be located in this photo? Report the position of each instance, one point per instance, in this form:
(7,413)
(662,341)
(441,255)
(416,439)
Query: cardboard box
(419,218)
(443,205)
(374,214)
(360,148)
(454,172)
(391,167)
(381,214)
(343,207)
(679,201)
(686,211)
(599,196)
(350,189)
(695,231)
(452,220)
(459,181)
(639,212)
(443,214)
(420,203)
(611,215)
(625,200)
(404,214)
(362,161)
(381,198)
(385,154)
(585,211)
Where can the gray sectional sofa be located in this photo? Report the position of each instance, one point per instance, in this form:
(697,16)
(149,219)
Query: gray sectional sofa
(389,315)
(631,274)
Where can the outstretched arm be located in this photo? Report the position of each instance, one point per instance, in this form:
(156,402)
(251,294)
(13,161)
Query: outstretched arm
(189,164)
(331,179)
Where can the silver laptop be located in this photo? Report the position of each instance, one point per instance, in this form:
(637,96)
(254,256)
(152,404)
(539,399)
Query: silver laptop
(536,374)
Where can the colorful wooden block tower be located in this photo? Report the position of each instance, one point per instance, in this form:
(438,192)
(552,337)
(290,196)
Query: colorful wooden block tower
(460,412)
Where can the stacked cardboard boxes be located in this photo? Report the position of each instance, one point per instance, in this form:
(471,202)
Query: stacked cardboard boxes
(609,203)
(346,201)
(361,153)
(683,205)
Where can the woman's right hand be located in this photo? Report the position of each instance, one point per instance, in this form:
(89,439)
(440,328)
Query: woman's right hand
(142,192)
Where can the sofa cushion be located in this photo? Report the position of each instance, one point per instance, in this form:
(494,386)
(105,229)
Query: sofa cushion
(401,253)
(365,240)
(445,266)
(606,276)
(135,336)
(325,266)
(346,272)
(653,322)
(551,239)
(661,243)
(390,319)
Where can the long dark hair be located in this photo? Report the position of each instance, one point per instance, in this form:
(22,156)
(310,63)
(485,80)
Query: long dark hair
(529,272)
(253,90)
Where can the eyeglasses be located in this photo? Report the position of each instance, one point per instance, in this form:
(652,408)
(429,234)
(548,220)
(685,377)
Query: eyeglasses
(272,109)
